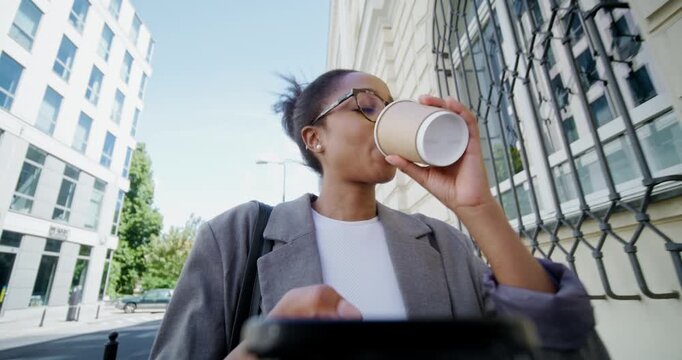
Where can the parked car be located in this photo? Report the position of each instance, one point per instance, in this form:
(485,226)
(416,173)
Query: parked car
(154,299)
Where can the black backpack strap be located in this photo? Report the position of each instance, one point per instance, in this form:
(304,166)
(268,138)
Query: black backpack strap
(248,302)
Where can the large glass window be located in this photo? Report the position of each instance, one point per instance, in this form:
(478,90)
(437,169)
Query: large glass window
(104,282)
(49,110)
(94,85)
(108,150)
(107,38)
(625,43)
(11,239)
(126,67)
(92,216)
(126,165)
(601,111)
(640,85)
(135,29)
(80,272)
(587,69)
(25,24)
(150,50)
(117,212)
(117,108)
(662,142)
(136,119)
(44,280)
(79,12)
(80,137)
(572,21)
(560,91)
(115,8)
(10,73)
(62,210)
(143,85)
(64,61)
(28,180)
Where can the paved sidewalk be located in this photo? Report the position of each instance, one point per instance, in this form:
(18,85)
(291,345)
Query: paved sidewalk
(16,331)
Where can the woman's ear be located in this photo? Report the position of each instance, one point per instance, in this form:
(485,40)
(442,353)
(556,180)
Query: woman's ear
(312,139)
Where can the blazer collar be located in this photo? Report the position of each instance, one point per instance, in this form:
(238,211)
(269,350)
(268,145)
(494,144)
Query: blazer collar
(295,262)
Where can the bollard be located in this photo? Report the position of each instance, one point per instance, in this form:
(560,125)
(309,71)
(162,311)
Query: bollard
(42,319)
(111,347)
(97,315)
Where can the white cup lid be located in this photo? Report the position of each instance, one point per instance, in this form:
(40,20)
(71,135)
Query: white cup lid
(442,138)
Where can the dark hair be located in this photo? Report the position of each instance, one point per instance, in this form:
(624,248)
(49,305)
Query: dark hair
(299,104)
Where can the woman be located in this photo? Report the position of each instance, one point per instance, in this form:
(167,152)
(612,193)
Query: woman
(343,255)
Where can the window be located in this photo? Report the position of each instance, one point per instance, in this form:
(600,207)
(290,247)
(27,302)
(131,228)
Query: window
(25,24)
(94,85)
(105,42)
(62,211)
(11,239)
(117,108)
(135,29)
(85,250)
(117,212)
(92,216)
(105,275)
(640,85)
(53,245)
(79,12)
(587,69)
(601,111)
(49,110)
(143,85)
(560,91)
(22,200)
(575,31)
(80,138)
(136,119)
(64,62)
(107,150)
(150,50)
(662,142)
(115,8)
(126,165)
(10,73)
(43,285)
(570,129)
(126,67)
(80,271)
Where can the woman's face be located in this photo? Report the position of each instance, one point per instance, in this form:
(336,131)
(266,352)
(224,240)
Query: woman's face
(349,152)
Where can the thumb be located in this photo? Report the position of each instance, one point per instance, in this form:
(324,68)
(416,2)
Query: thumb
(418,173)
(346,310)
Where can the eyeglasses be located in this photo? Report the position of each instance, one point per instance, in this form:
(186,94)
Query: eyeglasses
(368,102)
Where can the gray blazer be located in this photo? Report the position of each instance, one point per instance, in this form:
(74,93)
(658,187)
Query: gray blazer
(437,273)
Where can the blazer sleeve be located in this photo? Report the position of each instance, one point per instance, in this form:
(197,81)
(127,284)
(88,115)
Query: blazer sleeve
(193,326)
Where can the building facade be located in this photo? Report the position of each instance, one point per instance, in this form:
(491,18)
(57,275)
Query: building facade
(72,81)
(578,104)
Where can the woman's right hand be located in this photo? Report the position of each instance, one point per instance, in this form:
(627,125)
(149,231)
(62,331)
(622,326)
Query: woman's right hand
(310,302)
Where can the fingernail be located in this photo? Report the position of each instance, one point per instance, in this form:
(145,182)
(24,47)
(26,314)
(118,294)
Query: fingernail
(390,159)
(347,311)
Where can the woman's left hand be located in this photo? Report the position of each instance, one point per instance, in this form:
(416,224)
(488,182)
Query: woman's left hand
(463,184)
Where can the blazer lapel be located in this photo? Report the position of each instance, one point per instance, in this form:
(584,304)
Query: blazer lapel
(418,266)
(294,260)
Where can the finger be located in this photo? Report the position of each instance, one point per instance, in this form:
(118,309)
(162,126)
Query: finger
(419,174)
(431,100)
(346,310)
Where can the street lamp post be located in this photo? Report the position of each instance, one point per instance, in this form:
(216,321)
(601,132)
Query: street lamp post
(283,163)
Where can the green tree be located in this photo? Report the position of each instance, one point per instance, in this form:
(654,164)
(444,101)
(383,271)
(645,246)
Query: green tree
(166,254)
(140,222)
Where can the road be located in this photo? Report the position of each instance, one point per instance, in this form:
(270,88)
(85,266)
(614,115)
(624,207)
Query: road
(134,343)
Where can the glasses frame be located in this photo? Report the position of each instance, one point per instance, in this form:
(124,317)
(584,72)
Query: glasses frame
(350,94)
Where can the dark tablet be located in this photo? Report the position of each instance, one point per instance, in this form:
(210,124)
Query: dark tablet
(438,339)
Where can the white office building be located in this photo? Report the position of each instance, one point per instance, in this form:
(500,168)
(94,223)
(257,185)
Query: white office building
(579,105)
(72,81)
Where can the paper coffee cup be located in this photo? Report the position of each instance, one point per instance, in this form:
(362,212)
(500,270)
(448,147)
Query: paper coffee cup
(422,134)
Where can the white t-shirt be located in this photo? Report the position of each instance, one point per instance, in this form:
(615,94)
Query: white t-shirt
(356,263)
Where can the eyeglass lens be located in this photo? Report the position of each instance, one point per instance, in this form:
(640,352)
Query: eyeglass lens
(369,104)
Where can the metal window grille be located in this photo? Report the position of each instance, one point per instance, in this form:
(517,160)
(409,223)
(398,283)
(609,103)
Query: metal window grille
(490,71)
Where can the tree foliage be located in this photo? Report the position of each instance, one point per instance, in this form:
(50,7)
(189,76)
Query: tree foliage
(166,254)
(140,221)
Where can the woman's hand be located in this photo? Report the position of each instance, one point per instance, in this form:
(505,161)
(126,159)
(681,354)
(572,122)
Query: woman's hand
(315,301)
(463,184)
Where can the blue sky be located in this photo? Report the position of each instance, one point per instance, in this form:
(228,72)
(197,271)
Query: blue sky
(207,115)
